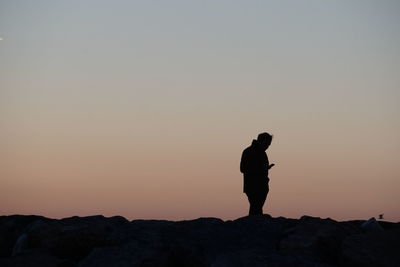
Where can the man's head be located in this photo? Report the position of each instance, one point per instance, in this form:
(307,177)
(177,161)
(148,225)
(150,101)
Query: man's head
(264,140)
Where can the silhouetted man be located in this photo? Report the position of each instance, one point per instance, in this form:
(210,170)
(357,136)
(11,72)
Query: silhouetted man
(254,165)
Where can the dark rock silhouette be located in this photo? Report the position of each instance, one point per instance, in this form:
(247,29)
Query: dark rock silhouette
(248,241)
(254,165)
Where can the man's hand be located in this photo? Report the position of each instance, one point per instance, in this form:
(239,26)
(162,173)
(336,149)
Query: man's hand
(270,166)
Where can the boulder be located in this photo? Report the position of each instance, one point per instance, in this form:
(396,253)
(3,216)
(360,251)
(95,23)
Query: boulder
(11,228)
(70,238)
(317,239)
(372,249)
(247,241)
(372,225)
(130,254)
(35,258)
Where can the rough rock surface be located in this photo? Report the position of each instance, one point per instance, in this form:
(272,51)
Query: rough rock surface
(248,241)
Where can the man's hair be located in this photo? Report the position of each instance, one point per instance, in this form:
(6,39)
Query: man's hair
(265,137)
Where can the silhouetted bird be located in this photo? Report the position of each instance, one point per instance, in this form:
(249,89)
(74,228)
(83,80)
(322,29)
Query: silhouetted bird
(380,216)
(254,165)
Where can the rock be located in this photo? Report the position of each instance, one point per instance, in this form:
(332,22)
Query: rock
(372,249)
(131,254)
(372,225)
(71,238)
(189,243)
(20,245)
(260,258)
(11,228)
(35,259)
(75,237)
(247,241)
(389,225)
(315,238)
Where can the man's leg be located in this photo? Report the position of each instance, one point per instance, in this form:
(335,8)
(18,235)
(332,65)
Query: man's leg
(259,199)
(253,203)
(262,197)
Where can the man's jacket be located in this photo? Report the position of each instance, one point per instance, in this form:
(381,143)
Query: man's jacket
(254,166)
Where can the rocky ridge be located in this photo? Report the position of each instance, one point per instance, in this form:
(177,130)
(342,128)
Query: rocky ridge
(248,241)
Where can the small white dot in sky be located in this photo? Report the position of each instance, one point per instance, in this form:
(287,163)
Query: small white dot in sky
(1,38)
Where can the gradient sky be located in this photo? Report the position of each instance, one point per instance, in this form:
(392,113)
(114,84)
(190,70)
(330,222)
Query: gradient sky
(142,108)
